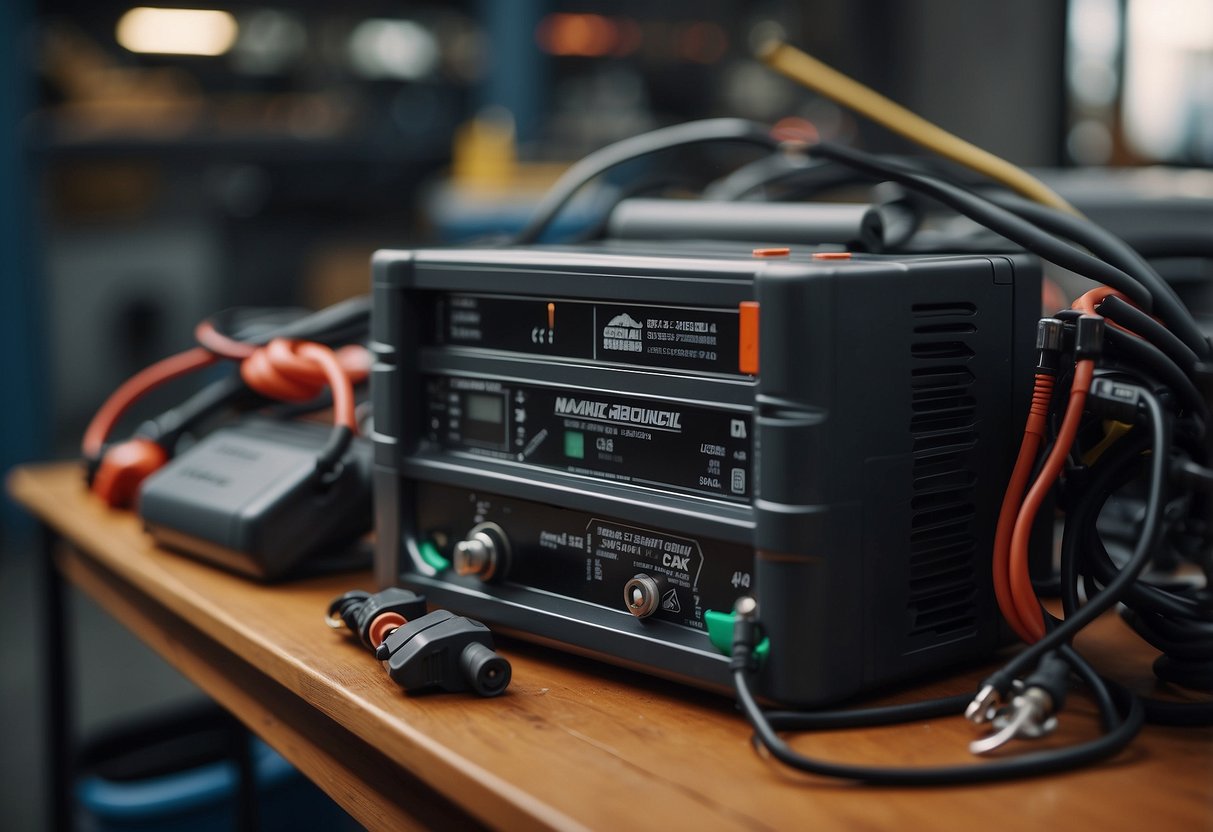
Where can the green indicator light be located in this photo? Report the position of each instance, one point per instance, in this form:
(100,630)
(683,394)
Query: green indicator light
(574,444)
(720,633)
(431,555)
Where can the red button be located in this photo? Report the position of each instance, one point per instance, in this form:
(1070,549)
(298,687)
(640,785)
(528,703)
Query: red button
(747,360)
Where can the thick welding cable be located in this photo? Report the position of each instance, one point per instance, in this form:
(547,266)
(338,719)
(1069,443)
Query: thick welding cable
(1033,437)
(1024,595)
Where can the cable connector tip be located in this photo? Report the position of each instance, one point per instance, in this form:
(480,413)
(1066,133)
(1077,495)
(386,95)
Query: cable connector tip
(981,709)
(1028,716)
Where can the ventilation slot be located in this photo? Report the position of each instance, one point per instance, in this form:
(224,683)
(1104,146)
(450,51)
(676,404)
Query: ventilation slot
(942,349)
(945,479)
(940,499)
(943,424)
(948,440)
(939,310)
(942,421)
(934,378)
(943,612)
(945,329)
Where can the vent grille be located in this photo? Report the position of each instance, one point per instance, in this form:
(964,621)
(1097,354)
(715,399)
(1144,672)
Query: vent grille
(941,590)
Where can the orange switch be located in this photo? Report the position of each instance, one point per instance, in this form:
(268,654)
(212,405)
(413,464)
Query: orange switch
(831,255)
(747,344)
(772,252)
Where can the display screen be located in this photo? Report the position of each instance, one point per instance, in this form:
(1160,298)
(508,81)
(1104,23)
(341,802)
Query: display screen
(484,419)
(483,407)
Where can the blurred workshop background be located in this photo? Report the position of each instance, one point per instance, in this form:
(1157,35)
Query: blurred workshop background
(157,164)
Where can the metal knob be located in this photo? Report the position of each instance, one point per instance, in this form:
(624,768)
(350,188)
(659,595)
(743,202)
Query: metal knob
(482,553)
(642,595)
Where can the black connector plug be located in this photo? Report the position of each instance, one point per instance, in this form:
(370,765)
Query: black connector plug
(444,651)
(1050,341)
(372,617)
(1116,400)
(1088,337)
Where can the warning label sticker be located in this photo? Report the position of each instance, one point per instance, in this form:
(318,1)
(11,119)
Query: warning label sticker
(678,559)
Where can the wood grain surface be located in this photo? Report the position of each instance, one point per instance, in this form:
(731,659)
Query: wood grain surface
(574,744)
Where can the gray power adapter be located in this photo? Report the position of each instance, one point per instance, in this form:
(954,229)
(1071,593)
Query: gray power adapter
(249,498)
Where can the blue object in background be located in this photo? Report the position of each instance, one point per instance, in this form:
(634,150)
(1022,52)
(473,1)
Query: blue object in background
(516,75)
(22,337)
(205,798)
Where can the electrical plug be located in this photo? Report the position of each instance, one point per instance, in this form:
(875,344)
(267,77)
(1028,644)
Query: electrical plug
(373,616)
(1031,713)
(446,652)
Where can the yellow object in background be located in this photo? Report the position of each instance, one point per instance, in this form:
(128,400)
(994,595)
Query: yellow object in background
(849,93)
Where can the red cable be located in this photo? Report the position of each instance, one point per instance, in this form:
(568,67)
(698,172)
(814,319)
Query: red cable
(298,371)
(135,388)
(312,364)
(1023,594)
(222,345)
(1088,304)
(1033,436)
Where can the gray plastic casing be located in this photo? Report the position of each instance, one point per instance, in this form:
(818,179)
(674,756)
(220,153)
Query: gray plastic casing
(887,411)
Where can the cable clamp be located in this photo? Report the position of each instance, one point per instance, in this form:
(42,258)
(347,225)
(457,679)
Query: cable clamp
(1028,716)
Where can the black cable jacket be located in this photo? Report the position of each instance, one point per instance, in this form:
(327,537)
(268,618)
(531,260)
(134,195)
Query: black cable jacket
(1196,675)
(771,170)
(1160,428)
(168,427)
(1186,641)
(340,323)
(334,450)
(1027,765)
(995,218)
(867,717)
(1109,718)
(1111,248)
(1116,467)
(1149,361)
(1137,351)
(1139,595)
(646,144)
(1186,655)
(1192,634)
(1162,712)
(1161,245)
(1098,240)
(1131,317)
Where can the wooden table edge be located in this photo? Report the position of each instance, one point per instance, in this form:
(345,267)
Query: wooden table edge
(487,797)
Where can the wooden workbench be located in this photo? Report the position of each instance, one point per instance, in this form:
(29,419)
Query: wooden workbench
(573,744)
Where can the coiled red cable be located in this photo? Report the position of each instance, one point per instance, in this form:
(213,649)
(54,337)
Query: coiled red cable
(287,370)
(295,371)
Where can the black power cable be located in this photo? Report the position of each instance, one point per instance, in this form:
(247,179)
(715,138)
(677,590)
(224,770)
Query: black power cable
(1000,220)
(1121,713)
(1110,249)
(1126,720)
(708,131)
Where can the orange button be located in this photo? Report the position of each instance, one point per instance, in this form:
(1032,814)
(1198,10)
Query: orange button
(831,255)
(772,252)
(747,360)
